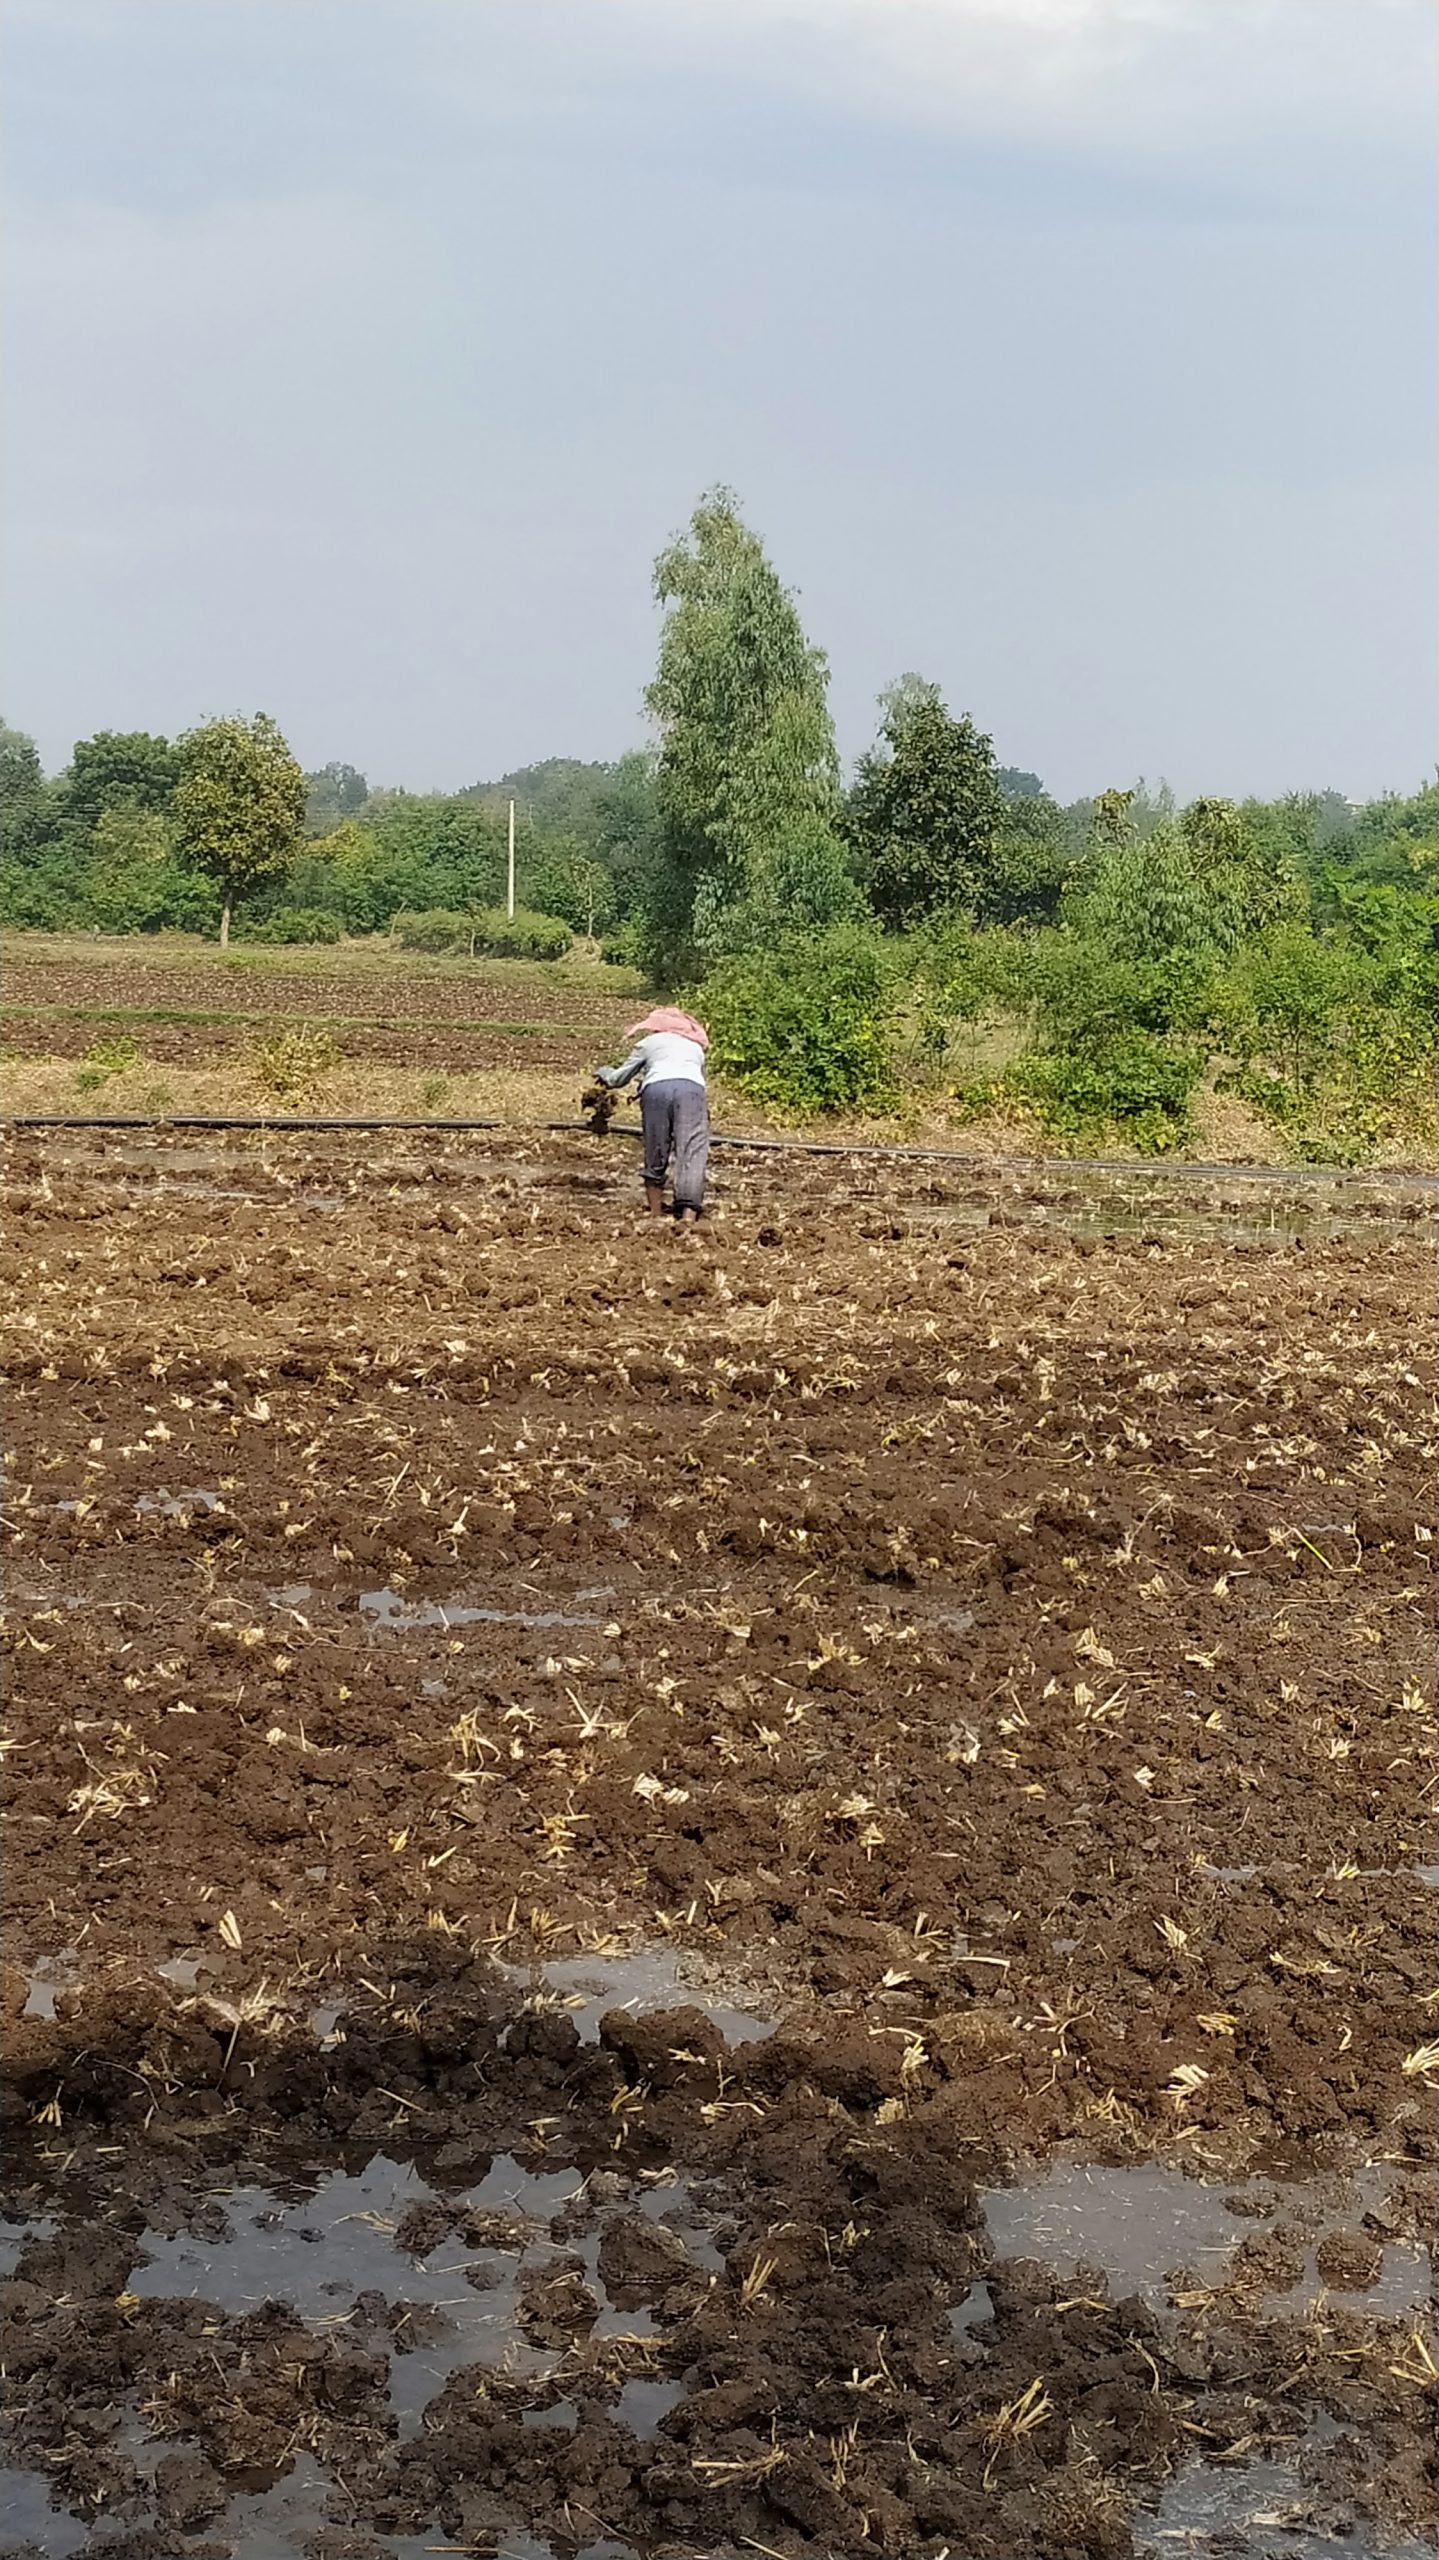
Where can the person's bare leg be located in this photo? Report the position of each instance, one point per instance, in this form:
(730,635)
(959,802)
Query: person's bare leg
(655,1199)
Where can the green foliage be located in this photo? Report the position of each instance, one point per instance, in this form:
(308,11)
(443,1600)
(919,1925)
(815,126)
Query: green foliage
(132,881)
(486,931)
(22,789)
(239,804)
(118,769)
(1137,1087)
(404,854)
(522,936)
(295,924)
(106,1058)
(925,810)
(956,976)
(434,929)
(1149,898)
(559,796)
(624,945)
(1393,842)
(1334,1035)
(806,1026)
(332,795)
(569,882)
(1284,998)
(604,814)
(1028,864)
(808,887)
(290,1063)
(747,754)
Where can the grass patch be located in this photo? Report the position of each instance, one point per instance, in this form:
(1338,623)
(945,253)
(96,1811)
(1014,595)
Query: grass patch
(197,1019)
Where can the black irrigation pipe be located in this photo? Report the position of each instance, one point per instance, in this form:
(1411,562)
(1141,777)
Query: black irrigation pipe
(1177,1169)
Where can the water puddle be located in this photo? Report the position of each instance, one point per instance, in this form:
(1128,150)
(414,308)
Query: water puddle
(1207,2509)
(181,1972)
(276,2523)
(1144,2227)
(972,2313)
(432,2273)
(642,2404)
(560,2413)
(1148,1214)
(31,2517)
(322,2254)
(649,1978)
(389,1609)
(16,2235)
(47,1976)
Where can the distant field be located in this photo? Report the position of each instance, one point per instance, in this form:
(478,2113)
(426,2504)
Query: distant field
(190,981)
(159,1025)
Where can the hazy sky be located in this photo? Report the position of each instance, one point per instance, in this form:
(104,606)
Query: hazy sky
(1077,353)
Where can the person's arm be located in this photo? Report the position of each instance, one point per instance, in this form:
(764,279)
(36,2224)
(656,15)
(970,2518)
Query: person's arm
(616,1076)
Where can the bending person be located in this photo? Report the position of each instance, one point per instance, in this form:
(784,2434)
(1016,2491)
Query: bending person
(669,1057)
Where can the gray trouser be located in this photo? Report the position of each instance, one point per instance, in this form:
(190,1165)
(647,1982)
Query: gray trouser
(677,1123)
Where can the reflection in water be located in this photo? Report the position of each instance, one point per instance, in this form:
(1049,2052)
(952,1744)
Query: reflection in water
(1142,2226)
(1239,2508)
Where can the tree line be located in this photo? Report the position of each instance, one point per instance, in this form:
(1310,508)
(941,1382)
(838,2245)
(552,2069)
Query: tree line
(846,937)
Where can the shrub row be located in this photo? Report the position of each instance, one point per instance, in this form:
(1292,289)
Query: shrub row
(486,931)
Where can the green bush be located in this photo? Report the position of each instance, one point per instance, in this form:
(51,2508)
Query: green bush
(105,1059)
(291,1062)
(431,929)
(488,931)
(956,977)
(522,936)
(806,1025)
(1135,1086)
(293,924)
(622,944)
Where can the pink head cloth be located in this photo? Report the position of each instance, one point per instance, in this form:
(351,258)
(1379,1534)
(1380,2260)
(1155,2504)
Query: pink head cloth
(668,1017)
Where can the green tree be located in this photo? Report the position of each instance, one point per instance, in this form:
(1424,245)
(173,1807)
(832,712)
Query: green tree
(22,789)
(132,882)
(747,751)
(628,836)
(568,881)
(239,806)
(926,809)
(559,795)
(1179,895)
(333,794)
(117,769)
(1028,864)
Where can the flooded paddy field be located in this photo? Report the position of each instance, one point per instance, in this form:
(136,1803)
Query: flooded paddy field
(685,1895)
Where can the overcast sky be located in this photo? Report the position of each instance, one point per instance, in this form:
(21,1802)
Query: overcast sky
(1079,354)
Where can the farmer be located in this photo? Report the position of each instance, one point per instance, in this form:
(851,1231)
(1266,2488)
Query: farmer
(669,1057)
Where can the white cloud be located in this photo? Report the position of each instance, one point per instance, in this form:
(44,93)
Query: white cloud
(1148,71)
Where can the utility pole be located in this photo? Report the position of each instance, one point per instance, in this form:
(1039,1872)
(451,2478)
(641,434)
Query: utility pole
(510,874)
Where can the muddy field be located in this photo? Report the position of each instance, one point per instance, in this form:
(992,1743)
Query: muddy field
(377,987)
(379,1011)
(770,1891)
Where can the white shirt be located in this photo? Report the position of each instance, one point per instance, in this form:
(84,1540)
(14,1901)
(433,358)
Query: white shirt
(661,1057)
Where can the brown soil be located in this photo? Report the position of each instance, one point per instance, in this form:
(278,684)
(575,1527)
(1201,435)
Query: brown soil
(236,1043)
(999,1654)
(404,989)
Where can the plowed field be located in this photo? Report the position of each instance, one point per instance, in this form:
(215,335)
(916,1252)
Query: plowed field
(769,1890)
